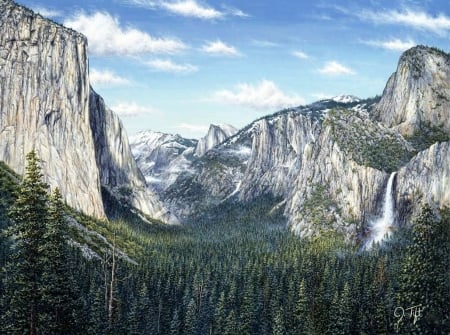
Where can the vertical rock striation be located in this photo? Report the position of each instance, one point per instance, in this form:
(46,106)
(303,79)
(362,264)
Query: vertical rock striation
(417,95)
(44,104)
(118,169)
(216,135)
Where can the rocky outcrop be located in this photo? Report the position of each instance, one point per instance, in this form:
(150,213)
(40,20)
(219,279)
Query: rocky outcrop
(162,157)
(287,155)
(417,95)
(216,135)
(118,169)
(46,104)
(329,162)
(425,179)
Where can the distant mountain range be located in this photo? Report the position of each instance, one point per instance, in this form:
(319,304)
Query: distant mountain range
(325,166)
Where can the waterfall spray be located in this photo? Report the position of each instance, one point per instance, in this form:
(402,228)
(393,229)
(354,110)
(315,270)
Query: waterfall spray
(382,226)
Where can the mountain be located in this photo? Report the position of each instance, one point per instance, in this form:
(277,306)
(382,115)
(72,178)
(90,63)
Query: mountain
(417,95)
(163,157)
(328,163)
(216,135)
(325,166)
(47,104)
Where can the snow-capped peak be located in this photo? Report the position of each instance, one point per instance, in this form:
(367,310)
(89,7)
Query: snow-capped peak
(345,98)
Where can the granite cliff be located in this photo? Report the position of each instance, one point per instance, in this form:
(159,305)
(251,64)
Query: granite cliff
(329,163)
(46,104)
(324,166)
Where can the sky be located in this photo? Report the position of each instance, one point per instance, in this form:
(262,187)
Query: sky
(177,66)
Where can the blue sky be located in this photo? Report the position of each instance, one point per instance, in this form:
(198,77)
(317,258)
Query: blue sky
(177,66)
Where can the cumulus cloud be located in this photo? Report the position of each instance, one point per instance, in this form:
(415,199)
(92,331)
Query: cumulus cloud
(106,77)
(192,8)
(132,109)
(420,20)
(392,44)
(334,68)
(47,12)
(167,65)
(107,36)
(300,54)
(262,96)
(189,8)
(220,48)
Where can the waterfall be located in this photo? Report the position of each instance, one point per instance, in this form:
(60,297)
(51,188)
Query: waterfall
(381,227)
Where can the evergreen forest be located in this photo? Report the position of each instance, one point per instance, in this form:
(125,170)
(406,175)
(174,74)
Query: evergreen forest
(240,272)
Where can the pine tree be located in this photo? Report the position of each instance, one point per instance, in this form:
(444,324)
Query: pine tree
(175,323)
(25,269)
(424,276)
(221,314)
(279,327)
(301,312)
(231,324)
(57,283)
(190,321)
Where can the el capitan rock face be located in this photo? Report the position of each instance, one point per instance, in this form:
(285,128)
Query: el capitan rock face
(46,104)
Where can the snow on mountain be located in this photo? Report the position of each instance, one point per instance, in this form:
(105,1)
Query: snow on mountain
(216,135)
(161,157)
(345,98)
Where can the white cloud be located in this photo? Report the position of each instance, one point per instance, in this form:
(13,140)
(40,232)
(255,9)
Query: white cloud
(189,8)
(264,44)
(235,12)
(300,54)
(415,19)
(193,128)
(106,36)
(220,48)
(262,96)
(166,65)
(106,77)
(393,44)
(47,12)
(131,109)
(335,68)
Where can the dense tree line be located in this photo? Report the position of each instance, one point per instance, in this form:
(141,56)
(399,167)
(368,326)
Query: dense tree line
(217,277)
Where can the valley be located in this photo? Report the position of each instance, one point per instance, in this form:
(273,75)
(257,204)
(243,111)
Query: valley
(325,218)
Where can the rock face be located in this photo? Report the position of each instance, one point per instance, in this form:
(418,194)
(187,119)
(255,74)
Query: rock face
(46,104)
(162,157)
(425,178)
(216,135)
(417,95)
(289,155)
(326,164)
(118,169)
(329,163)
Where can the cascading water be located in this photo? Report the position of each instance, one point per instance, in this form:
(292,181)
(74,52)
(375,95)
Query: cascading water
(382,226)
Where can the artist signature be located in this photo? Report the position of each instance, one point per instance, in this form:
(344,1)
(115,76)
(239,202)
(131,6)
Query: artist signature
(413,312)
